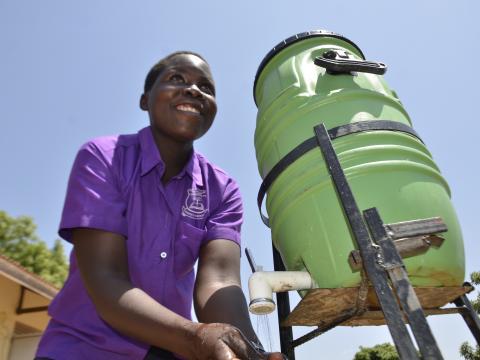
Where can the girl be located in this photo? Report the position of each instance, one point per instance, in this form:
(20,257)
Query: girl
(140,210)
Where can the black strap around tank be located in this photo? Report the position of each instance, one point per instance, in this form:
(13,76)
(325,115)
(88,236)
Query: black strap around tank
(311,143)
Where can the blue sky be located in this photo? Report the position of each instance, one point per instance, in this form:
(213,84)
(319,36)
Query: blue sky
(74,70)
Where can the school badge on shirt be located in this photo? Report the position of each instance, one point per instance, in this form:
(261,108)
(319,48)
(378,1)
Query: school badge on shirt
(194,207)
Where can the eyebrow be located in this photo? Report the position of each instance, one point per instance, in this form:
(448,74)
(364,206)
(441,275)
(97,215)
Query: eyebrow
(203,78)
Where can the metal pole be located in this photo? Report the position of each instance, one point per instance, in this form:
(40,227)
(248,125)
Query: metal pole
(283,310)
(377,275)
(470,317)
(393,264)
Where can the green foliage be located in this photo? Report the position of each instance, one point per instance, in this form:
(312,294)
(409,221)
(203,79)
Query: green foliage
(19,242)
(384,351)
(475,276)
(466,350)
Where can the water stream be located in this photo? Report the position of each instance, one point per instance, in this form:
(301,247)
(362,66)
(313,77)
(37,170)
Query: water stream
(264,332)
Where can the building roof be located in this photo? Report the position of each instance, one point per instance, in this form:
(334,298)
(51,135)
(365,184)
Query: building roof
(17,273)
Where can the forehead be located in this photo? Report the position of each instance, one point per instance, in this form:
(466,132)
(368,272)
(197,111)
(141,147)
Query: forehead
(190,63)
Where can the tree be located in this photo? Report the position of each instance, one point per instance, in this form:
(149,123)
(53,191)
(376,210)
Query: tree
(383,351)
(466,350)
(19,242)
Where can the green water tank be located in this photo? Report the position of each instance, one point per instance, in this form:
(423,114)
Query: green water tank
(390,170)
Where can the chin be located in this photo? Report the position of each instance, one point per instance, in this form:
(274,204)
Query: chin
(191,133)
(188,136)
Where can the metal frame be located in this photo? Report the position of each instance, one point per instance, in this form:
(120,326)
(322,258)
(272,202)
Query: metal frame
(383,266)
(470,316)
(283,309)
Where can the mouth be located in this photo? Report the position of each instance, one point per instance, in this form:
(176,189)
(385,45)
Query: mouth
(189,108)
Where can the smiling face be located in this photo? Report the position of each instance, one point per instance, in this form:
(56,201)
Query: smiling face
(181,103)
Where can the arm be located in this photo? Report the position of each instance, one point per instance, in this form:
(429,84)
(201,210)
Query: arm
(102,261)
(219,300)
(218,294)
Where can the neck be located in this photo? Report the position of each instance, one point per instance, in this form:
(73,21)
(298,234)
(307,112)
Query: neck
(175,155)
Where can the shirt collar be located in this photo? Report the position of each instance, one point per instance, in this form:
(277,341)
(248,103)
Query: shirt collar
(193,169)
(150,154)
(151,158)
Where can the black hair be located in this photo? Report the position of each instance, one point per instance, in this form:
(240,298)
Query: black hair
(160,66)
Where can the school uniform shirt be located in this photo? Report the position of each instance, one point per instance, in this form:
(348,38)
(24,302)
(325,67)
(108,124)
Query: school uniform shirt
(115,185)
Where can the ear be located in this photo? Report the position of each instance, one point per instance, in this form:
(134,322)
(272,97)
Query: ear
(144,102)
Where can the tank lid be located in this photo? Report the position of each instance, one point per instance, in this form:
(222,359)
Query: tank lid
(293,39)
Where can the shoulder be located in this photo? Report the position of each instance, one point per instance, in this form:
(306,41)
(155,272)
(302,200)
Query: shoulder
(222,187)
(225,203)
(110,148)
(215,174)
(108,144)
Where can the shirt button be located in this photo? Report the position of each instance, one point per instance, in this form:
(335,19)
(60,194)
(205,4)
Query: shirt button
(163,254)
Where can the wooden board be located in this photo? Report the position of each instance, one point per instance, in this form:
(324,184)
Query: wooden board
(323,307)
(375,318)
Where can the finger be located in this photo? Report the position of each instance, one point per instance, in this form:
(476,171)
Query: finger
(276,356)
(241,346)
(223,352)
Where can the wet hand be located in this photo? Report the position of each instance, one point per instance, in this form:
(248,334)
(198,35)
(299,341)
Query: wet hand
(225,342)
(275,356)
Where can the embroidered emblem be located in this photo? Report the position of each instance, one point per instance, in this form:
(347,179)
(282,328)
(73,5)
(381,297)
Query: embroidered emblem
(194,208)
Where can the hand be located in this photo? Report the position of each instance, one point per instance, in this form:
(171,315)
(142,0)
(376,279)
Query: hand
(275,356)
(225,342)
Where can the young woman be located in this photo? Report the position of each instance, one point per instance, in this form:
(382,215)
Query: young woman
(140,210)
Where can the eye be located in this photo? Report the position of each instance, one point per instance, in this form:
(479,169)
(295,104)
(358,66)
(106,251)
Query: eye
(177,78)
(207,88)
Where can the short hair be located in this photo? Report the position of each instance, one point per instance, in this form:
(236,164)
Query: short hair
(160,66)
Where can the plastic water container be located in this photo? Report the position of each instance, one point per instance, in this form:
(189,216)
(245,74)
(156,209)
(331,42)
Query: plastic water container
(390,170)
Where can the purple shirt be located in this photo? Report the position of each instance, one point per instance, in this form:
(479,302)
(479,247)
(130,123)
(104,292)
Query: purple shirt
(115,185)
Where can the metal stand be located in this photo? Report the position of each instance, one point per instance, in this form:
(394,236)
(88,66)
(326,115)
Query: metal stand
(379,255)
(470,316)
(283,309)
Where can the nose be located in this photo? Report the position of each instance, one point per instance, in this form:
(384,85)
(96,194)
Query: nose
(193,91)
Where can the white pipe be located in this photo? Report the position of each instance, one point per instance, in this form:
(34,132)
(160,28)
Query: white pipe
(262,285)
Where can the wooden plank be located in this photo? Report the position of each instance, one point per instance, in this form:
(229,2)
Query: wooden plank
(375,318)
(320,307)
(416,228)
(406,247)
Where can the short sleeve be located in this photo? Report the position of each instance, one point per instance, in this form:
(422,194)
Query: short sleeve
(226,220)
(93,199)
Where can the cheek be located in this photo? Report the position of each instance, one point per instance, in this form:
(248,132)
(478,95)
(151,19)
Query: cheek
(213,112)
(159,98)
(213,109)
(159,101)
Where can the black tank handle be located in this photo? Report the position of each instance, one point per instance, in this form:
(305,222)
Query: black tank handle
(338,62)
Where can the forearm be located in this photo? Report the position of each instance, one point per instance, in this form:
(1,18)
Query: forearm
(224,303)
(132,312)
